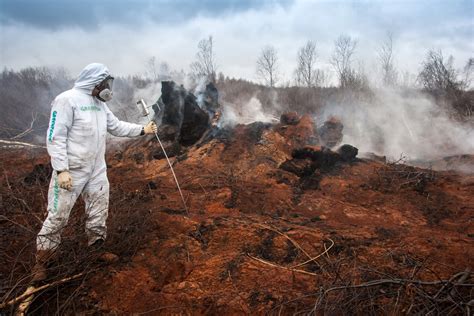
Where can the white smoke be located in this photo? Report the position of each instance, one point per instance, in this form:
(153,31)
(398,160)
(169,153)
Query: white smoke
(200,90)
(244,113)
(397,122)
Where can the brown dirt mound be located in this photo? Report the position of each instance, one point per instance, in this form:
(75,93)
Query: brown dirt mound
(253,228)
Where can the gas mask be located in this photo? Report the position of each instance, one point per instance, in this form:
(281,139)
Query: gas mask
(103,91)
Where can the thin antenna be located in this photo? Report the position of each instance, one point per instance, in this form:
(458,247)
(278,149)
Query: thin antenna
(145,112)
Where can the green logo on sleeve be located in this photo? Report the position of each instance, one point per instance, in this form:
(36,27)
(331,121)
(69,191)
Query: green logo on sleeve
(51,128)
(55,194)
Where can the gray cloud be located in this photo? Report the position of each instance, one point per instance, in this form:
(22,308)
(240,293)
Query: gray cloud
(91,14)
(124,34)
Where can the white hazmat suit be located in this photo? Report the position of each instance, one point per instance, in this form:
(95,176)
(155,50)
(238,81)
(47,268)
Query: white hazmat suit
(76,143)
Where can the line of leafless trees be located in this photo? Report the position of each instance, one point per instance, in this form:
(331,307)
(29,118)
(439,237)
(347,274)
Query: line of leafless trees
(436,73)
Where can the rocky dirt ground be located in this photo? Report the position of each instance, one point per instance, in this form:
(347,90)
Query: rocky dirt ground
(274,226)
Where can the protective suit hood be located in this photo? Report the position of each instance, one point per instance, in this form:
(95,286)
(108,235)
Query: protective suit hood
(91,76)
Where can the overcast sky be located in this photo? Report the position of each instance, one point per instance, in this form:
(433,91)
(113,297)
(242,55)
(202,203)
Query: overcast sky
(124,34)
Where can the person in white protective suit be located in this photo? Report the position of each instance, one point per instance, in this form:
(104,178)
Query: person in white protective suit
(80,120)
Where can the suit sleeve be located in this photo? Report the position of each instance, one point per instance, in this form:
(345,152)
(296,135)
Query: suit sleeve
(121,128)
(62,116)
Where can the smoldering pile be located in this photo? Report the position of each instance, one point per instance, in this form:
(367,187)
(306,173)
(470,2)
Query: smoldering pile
(186,121)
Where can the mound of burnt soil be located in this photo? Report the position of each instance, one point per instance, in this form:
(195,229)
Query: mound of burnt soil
(311,162)
(290,118)
(277,224)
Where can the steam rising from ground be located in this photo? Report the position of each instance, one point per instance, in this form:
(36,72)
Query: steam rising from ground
(246,113)
(397,122)
(393,122)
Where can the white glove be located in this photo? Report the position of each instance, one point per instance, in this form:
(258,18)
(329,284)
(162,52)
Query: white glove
(150,128)
(65,180)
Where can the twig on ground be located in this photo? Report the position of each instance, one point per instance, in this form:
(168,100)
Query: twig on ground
(463,277)
(32,290)
(281,267)
(314,258)
(287,237)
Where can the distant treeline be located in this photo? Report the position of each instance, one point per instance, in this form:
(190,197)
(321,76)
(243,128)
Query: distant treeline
(26,95)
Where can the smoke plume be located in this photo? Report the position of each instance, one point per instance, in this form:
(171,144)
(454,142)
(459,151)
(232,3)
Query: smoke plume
(396,122)
(244,113)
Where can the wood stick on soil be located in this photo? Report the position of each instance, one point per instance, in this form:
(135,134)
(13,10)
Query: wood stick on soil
(23,307)
(32,290)
(450,281)
(281,267)
(462,278)
(314,258)
(287,237)
(326,249)
(310,259)
(393,281)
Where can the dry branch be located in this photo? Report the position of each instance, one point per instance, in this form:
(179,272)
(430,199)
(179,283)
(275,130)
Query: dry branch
(314,258)
(461,276)
(18,144)
(281,267)
(23,307)
(287,237)
(34,115)
(310,258)
(32,290)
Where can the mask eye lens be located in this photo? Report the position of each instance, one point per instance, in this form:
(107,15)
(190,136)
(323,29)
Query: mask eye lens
(109,83)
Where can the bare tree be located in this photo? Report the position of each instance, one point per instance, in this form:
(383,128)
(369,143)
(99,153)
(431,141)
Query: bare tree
(408,79)
(152,69)
(344,48)
(468,72)
(438,75)
(165,71)
(157,71)
(306,72)
(385,54)
(267,65)
(465,105)
(205,64)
